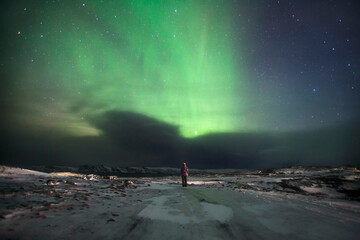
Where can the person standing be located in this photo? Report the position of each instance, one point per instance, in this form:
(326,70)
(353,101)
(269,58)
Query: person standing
(184,174)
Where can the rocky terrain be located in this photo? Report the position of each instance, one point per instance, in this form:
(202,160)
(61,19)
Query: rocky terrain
(63,203)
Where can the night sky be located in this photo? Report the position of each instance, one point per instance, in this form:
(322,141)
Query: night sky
(155,83)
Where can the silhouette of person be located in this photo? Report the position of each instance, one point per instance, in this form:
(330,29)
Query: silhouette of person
(184,174)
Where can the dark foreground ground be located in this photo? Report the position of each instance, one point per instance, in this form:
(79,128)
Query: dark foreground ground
(35,205)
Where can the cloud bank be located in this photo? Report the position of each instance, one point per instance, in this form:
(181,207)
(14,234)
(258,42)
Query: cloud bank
(132,139)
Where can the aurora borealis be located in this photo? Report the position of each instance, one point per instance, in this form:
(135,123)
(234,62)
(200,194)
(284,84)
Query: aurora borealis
(206,67)
(174,61)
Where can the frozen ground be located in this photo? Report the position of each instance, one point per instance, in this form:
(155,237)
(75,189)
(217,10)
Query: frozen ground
(276,205)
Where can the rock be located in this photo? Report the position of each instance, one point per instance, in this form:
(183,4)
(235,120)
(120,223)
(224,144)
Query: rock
(128,182)
(48,204)
(70,181)
(111,220)
(112,187)
(51,182)
(91,177)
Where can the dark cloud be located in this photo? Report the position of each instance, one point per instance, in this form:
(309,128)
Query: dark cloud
(132,139)
(139,132)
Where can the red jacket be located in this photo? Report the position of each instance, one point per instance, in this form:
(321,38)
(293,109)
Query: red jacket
(184,171)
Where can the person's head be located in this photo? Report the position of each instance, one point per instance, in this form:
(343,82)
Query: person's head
(184,164)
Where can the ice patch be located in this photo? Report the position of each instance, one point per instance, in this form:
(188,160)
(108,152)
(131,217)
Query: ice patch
(274,224)
(217,212)
(157,210)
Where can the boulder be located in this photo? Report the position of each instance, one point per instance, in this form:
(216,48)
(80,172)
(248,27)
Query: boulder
(128,182)
(51,182)
(70,181)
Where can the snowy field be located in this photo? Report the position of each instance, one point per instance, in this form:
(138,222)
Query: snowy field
(281,204)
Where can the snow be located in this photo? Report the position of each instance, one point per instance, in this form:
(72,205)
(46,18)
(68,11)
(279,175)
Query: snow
(204,182)
(8,171)
(240,206)
(66,174)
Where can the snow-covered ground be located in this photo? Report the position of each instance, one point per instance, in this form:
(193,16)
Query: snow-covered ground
(286,204)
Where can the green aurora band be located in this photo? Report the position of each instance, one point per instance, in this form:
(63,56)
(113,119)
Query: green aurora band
(171,60)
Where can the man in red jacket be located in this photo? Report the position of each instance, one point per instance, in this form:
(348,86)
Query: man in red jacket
(184,175)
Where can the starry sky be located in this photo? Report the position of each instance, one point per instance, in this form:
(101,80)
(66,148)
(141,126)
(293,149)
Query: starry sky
(201,71)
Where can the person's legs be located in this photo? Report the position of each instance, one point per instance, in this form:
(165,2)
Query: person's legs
(183,180)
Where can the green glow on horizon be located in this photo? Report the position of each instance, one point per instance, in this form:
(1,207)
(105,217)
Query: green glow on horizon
(171,60)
